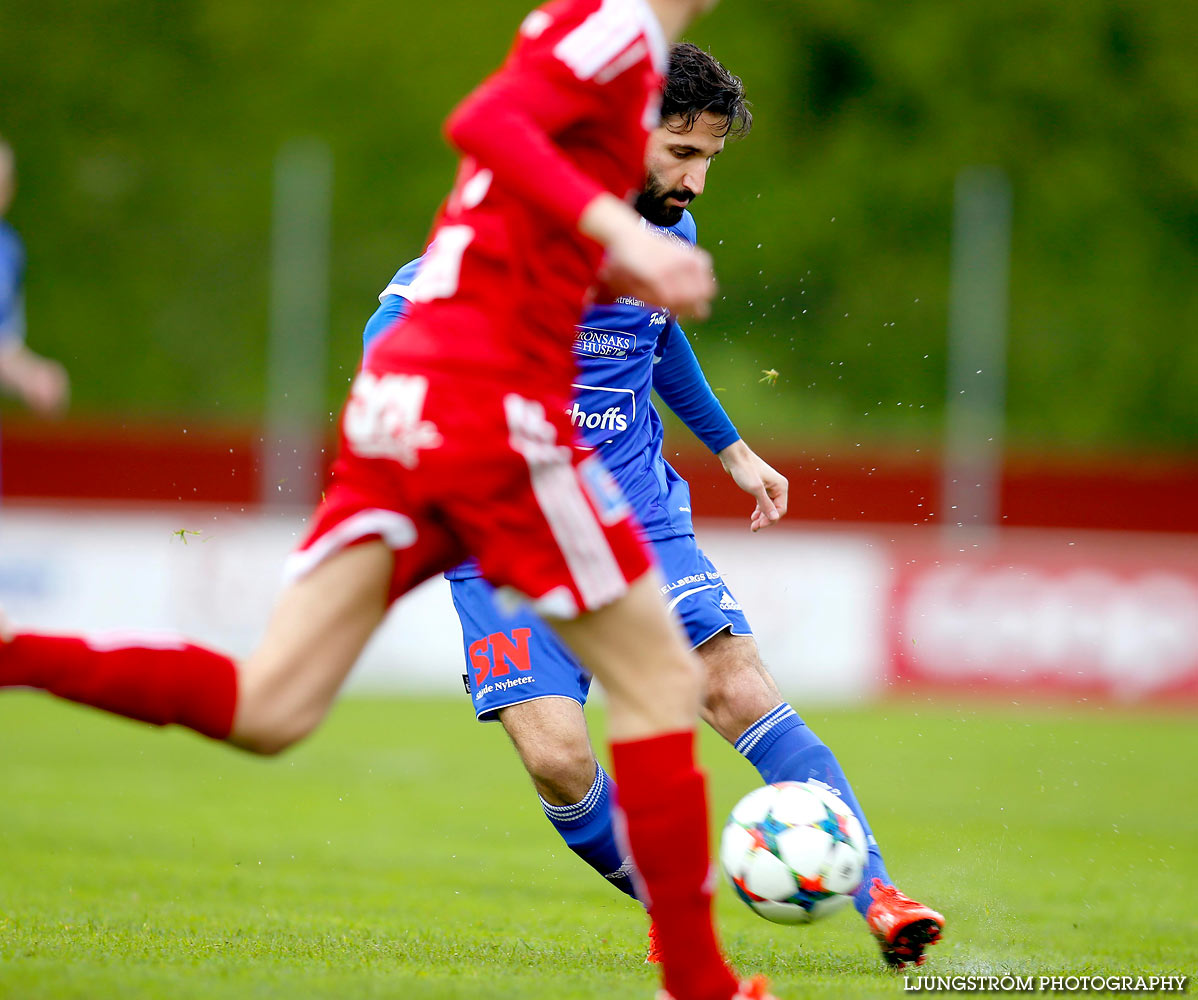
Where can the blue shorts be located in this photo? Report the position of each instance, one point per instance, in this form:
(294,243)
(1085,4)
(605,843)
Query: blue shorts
(517,657)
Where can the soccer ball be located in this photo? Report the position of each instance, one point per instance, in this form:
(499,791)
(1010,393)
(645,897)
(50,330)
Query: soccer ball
(793,851)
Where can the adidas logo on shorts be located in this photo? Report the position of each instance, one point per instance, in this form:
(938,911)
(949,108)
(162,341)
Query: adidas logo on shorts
(728,602)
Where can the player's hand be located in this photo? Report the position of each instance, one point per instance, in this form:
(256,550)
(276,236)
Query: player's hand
(46,388)
(760,480)
(40,382)
(643,266)
(660,273)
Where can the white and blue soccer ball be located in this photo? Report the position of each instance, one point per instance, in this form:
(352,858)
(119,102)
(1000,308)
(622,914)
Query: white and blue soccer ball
(793,851)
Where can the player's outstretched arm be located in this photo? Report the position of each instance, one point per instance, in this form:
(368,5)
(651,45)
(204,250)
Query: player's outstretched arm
(680,382)
(759,479)
(506,126)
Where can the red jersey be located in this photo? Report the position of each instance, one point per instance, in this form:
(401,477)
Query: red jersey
(507,273)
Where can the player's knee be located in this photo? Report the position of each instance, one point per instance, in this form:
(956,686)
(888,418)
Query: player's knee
(562,772)
(270,733)
(737,691)
(724,691)
(267,743)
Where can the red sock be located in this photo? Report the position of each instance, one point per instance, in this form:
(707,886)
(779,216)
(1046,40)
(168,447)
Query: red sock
(663,798)
(171,682)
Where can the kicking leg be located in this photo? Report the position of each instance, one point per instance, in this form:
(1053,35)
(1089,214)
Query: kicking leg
(264,704)
(550,735)
(744,706)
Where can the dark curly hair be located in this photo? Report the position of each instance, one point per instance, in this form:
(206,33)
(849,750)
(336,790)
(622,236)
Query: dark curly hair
(696,83)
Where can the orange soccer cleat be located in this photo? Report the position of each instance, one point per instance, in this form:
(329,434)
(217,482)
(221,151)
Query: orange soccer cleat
(654,954)
(754,988)
(903,927)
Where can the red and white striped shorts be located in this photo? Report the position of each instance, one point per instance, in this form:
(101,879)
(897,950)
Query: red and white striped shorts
(442,467)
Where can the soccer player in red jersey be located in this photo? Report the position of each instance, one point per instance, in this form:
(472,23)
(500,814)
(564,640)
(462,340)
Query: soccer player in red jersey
(455,442)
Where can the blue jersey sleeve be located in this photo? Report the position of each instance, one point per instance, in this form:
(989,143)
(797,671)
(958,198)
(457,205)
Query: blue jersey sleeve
(393,302)
(392,309)
(682,386)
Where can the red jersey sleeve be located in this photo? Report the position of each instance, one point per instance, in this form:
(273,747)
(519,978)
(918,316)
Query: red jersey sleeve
(510,122)
(505,126)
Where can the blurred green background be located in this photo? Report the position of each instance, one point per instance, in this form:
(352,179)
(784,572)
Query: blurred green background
(146,134)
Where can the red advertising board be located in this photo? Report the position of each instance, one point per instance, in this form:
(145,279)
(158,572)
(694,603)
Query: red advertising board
(1108,616)
(184,462)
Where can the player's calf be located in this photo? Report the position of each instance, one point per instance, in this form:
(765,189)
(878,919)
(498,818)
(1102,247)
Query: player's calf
(550,735)
(663,799)
(278,695)
(586,827)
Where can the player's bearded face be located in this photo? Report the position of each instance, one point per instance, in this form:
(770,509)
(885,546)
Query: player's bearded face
(657,202)
(676,165)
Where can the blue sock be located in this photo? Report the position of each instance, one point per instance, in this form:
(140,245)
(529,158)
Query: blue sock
(587,829)
(782,748)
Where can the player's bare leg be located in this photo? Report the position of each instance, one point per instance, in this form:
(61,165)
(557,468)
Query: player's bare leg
(639,654)
(551,737)
(652,681)
(315,635)
(275,697)
(737,689)
(576,793)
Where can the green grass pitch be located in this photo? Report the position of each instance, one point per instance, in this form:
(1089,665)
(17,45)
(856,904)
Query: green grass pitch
(400,853)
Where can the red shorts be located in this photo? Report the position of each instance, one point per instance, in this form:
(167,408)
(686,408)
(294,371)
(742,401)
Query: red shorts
(442,467)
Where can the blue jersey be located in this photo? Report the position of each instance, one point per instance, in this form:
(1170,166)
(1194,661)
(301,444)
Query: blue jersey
(12,273)
(624,350)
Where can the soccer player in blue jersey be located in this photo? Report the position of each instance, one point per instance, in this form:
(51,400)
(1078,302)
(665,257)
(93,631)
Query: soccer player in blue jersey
(40,382)
(518,672)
